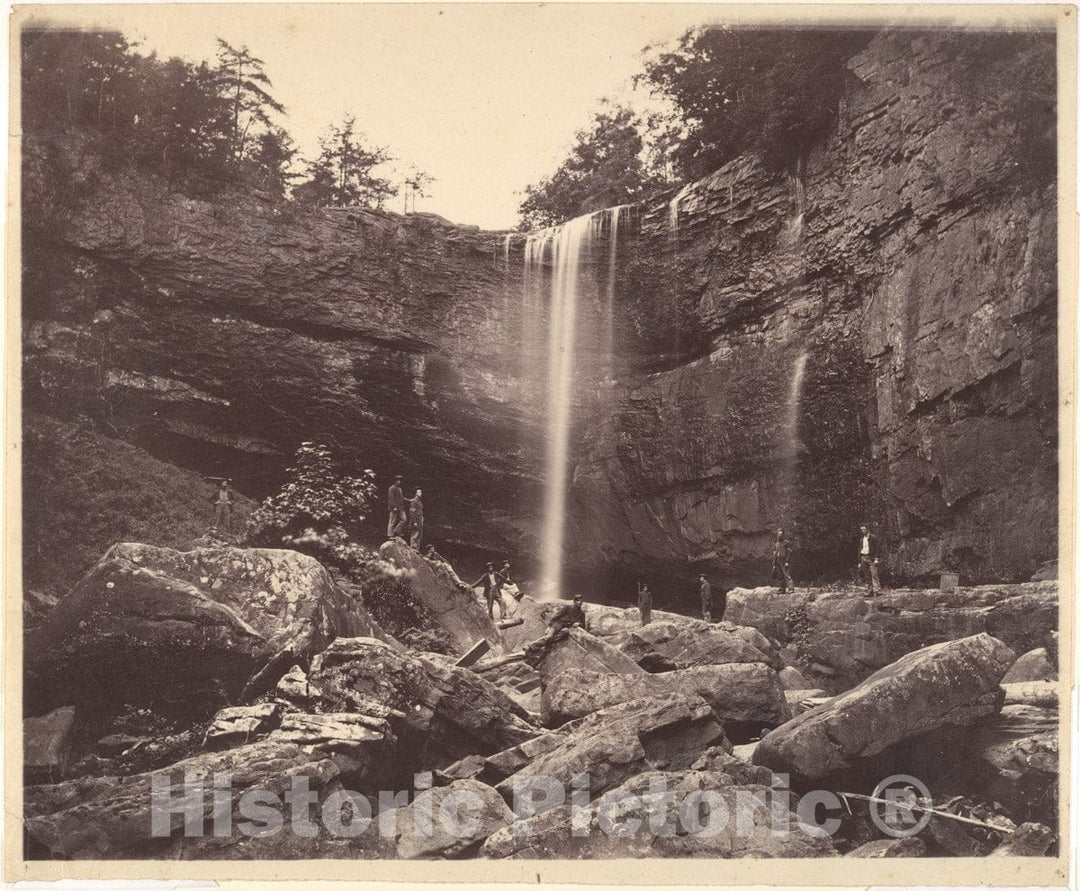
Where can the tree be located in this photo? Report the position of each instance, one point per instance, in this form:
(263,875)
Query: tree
(344,175)
(735,90)
(270,159)
(415,185)
(245,85)
(604,168)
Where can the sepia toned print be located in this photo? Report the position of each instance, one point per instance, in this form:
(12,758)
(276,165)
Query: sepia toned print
(696,497)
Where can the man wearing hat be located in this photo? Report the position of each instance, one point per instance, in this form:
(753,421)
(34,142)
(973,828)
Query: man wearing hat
(223,501)
(492,584)
(395,502)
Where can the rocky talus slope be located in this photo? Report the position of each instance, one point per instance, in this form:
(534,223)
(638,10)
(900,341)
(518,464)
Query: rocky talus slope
(869,336)
(162,666)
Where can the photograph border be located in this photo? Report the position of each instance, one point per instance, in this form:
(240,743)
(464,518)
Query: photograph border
(838,872)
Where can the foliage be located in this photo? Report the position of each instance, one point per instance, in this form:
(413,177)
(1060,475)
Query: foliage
(343,175)
(315,505)
(195,124)
(242,81)
(415,185)
(604,168)
(735,90)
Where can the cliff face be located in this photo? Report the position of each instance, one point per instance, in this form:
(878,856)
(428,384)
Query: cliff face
(220,334)
(870,338)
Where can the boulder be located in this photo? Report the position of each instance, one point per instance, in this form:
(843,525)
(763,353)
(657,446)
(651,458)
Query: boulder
(534,616)
(791,679)
(447,821)
(1042,694)
(1029,840)
(694,642)
(687,813)
(240,723)
(720,760)
(612,745)
(581,651)
(766,609)
(1034,665)
(47,744)
(612,621)
(295,687)
(442,596)
(800,701)
(842,637)
(446,712)
(149,622)
(1018,762)
(949,684)
(746,694)
(106,818)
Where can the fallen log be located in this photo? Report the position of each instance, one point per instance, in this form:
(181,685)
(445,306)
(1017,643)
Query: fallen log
(925,810)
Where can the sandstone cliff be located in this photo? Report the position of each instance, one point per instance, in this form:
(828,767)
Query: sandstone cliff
(870,337)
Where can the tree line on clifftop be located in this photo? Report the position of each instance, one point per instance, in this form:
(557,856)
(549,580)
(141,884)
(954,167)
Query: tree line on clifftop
(204,127)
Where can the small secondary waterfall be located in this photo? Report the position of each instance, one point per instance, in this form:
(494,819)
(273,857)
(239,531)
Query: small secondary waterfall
(609,295)
(789,448)
(568,245)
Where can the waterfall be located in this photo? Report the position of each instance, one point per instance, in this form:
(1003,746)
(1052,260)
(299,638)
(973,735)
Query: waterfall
(506,251)
(673,242)
(609,303)
(569,243)
(789,448)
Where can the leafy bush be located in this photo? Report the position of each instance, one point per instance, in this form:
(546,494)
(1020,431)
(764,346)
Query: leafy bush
(315,508)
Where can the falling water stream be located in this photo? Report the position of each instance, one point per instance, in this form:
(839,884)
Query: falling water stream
(567,248)
(789,448)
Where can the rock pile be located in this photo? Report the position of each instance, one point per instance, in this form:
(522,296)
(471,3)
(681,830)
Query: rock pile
(643,742)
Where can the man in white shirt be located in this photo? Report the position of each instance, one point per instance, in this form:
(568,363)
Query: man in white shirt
(868,559)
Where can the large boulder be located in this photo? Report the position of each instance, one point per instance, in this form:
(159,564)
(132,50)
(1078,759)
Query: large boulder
(693,642)
(685,813)
(612,745)
(950,684)
(746,695)
(443,597)
(1034,665)
(455,820)
(106,818)
(842,637)
(581,651)
(190,626)
(446,712)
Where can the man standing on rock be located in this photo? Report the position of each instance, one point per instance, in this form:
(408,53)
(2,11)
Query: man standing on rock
(395,503)
(706,599)
(492,584)
(644,602)
(869,551)
(416,520)
(223,502)
(781,555)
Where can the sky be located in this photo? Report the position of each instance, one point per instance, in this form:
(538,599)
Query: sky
(485,98)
